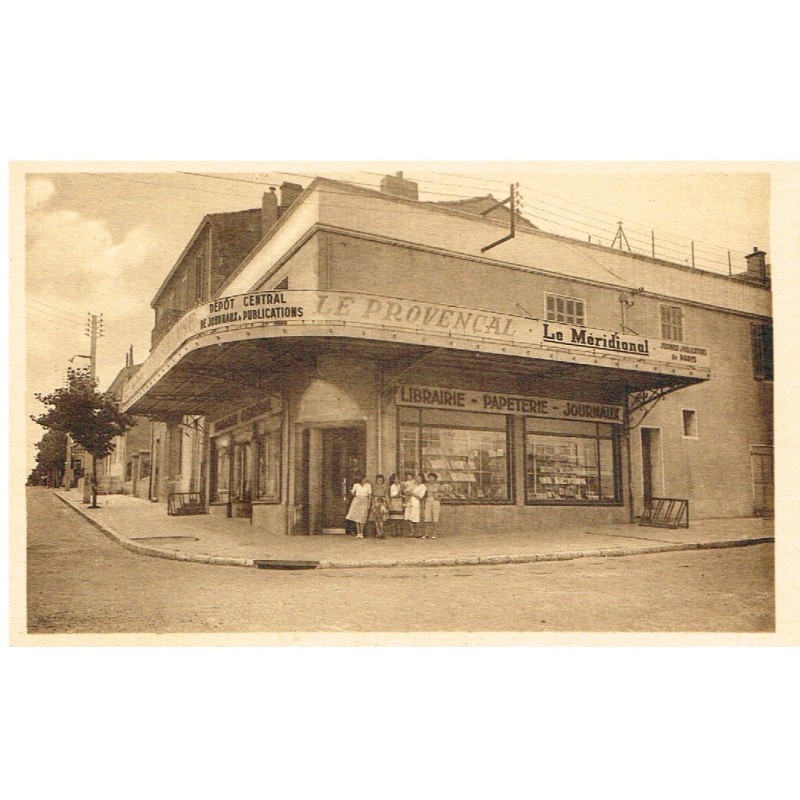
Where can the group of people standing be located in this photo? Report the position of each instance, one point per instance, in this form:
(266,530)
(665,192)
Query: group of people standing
(411,507)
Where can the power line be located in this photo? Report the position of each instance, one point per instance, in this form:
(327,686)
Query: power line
(67,315)
(472,178)
(528,188)
(43,311)
(543,214)
(632,225)
(361,184)
(167,185)
(56,323)
(537,191)
(50,315)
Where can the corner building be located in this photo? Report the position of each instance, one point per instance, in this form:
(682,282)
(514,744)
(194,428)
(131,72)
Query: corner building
(550,383)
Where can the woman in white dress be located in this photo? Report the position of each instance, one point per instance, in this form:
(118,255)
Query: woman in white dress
(413,512)
(432,508)
(359,507)
(395,505)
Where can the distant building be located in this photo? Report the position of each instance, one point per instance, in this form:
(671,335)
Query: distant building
(550,383)
(127,469)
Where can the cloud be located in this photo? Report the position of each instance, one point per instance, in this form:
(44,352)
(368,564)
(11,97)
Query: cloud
(74,265)
(79,258)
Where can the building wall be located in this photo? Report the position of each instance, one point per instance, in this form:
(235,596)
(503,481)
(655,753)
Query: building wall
(733,411)
(232,238)
(354,264)
(291,230)
(181,292)
(301,268)
(407,250)
(390,218)
(343,392)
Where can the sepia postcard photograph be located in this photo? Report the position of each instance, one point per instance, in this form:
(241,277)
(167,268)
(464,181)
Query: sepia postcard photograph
(396,401)
(402,401)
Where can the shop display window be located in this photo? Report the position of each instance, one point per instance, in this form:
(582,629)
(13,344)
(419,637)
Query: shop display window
(242,486)
(571,462)
(469,453)
(246,463)
(221,475)
(268,461)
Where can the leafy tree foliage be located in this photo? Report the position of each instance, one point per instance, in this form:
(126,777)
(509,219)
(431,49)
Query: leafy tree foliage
(90,417)
(50,456)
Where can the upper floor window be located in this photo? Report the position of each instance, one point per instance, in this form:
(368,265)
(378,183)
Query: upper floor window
(565,309)
(761,333)
(672,323)
(689,423)
(200,278)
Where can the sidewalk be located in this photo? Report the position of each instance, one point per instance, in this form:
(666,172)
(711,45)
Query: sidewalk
(145,528)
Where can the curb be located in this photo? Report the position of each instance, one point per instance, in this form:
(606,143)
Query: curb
(457,561)
(145,550)
(567,555)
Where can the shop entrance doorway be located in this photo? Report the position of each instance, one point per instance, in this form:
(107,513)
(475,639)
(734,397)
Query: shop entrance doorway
(343,458)
(652,472)
(761,459)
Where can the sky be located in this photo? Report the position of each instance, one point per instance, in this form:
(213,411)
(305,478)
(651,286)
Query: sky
(102,242)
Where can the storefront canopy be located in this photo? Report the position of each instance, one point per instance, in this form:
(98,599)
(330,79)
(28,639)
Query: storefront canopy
(240,344)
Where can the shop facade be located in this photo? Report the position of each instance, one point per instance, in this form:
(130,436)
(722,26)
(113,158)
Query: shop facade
(542,392)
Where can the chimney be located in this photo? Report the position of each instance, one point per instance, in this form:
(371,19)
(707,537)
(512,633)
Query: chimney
(289,193)
(756,266)
(131,351)
(269,210)
(398,186)
(127,359)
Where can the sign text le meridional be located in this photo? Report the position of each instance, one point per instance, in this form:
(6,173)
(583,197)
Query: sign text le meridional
(493,403)
(280,307)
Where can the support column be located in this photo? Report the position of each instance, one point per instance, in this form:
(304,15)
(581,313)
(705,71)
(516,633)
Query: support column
(315,481)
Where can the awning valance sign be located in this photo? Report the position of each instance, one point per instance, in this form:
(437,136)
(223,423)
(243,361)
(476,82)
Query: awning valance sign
(305,306)
(313,313)
(271,404)
(492,403)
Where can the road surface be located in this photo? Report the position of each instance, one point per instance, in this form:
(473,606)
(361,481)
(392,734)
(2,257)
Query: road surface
(81,582)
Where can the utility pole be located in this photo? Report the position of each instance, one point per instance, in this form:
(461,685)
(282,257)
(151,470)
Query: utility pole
(515,201)
(94,330)
(68,458)
(620,236)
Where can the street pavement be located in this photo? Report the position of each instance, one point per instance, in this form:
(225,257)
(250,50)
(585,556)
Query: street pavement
(82,582)
(145,528)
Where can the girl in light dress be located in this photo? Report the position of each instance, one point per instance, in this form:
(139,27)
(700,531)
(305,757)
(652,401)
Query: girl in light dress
(407,485)
(379,512)
(359,507)
(432,507)
(413,511)
(395,504)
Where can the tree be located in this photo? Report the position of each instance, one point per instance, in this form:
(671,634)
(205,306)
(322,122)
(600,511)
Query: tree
(90,417)
(50,459)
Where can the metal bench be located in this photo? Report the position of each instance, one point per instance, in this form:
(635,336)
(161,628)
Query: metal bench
(184,504)
(666,512)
